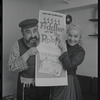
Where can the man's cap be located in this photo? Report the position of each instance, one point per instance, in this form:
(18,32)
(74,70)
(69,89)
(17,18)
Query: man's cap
(28,23)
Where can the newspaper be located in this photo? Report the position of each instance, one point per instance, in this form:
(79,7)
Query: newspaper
(49,71)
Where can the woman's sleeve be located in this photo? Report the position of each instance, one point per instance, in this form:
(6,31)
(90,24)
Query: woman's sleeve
(16,62)
(69,63)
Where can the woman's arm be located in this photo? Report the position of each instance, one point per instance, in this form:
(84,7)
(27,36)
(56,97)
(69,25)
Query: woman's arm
(70,63)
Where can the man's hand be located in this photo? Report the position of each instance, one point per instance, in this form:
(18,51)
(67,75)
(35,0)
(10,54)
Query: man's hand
(32,51)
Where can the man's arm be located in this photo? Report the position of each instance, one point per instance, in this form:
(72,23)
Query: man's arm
(17,62)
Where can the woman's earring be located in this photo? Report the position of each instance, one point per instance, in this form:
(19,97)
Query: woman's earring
(68,19)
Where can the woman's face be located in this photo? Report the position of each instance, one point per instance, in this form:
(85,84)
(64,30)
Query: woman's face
(73,37)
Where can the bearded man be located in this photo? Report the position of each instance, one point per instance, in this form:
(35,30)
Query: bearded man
(22,60)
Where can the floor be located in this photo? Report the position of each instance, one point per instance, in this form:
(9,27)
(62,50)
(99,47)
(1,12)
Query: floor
(10,97)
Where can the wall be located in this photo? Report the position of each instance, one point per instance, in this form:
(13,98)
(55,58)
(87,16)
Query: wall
(54,5)
(14,11)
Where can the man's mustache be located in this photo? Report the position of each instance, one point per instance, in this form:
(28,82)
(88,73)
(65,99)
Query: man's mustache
(31,38)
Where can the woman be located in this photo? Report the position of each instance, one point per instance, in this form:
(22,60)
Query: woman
(72,56)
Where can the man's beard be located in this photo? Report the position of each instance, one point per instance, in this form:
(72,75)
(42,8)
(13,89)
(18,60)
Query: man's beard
(32,42)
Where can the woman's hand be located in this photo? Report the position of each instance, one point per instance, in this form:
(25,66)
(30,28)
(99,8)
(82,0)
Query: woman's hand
(62,44)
